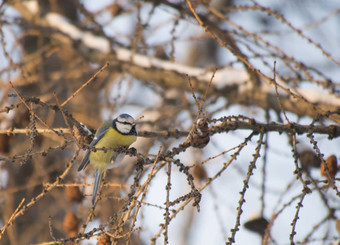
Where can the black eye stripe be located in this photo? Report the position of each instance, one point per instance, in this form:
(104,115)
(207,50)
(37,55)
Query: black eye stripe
(125,123)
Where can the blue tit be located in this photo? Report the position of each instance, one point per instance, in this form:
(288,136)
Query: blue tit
(120,132)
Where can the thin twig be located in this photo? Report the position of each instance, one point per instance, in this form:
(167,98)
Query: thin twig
(296,217)
(277,93)
(143,189)
(66,120)
(167,205)
(85,84)
(50,228)
(9,222)
(242,200)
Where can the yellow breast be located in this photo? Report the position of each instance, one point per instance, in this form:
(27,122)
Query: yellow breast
(112,138)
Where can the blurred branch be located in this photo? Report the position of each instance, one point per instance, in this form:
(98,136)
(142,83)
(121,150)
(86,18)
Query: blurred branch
(228,82)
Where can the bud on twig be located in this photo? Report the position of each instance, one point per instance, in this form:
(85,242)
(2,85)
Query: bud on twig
(200,136)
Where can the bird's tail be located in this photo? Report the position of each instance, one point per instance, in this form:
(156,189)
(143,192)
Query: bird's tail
(99,174)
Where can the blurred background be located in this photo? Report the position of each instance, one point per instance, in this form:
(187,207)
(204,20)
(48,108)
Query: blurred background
(258,167)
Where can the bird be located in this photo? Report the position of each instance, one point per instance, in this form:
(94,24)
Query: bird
(121,132)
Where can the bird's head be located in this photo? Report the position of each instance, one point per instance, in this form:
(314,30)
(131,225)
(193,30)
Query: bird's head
(125,124)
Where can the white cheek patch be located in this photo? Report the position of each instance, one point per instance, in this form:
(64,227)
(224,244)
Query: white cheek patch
(123,128)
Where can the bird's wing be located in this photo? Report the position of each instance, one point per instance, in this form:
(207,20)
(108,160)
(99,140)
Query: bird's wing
(99,136)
